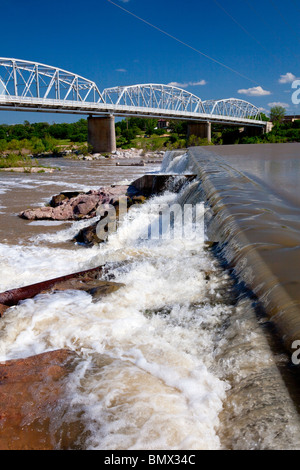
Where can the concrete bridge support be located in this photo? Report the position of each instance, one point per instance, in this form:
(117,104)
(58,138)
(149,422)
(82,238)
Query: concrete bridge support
(101,134)
(200,129)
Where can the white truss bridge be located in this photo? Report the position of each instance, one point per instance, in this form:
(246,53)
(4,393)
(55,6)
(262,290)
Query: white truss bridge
(31,86)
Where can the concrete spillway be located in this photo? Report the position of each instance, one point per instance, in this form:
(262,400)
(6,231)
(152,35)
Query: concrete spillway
(257,229)
(256,233)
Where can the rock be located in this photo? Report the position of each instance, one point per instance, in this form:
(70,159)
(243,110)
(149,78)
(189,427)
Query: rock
(31,406)
(3,309)
(30,169)
(63,196)
(86,206)
(88,236)
(57,200)
(139,199)
(75,206)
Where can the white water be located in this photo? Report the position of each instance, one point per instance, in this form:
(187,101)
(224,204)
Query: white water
(178,165)
(149,374)
(156,390)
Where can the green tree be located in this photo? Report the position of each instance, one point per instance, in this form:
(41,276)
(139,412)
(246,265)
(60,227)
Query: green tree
(129,135)
(2,133)
(151,124)
(178,127)
(264,117)
(118,131)
(277,114)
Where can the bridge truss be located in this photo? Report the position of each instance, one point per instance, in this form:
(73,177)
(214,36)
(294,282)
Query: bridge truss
(32,86)
(30,80)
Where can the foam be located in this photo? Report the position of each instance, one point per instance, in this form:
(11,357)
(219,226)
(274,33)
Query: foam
(157,390)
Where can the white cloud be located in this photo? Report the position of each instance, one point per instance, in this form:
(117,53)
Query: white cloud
(287,78)
(278,103)
(187,84)
(201,83)
(255,91)
(121,70)
(264,110)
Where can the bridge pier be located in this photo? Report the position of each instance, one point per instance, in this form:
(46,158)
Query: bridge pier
(200,129)
(101,134)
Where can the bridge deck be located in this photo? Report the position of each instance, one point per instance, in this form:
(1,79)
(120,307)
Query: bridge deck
(16,103)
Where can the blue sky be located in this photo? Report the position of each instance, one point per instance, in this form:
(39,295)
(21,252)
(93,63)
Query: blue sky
(256,41)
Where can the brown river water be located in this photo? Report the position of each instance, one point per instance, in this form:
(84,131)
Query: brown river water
(181,357)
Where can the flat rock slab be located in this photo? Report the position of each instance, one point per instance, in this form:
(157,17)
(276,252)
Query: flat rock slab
(29,170)
(31,393)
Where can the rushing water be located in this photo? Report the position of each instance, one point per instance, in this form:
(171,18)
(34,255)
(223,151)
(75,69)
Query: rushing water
(254,193)
(175,359)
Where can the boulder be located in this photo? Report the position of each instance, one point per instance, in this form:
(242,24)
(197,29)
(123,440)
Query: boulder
(88,235)
(139,199)
(64,196)
(31,402)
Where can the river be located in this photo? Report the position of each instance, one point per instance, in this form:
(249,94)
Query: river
(175,359)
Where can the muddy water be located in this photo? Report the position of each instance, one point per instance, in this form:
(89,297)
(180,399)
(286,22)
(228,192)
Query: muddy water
(276,167)
(19,191)
(175,359)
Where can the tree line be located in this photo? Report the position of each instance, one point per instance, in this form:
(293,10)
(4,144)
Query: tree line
(75,132)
